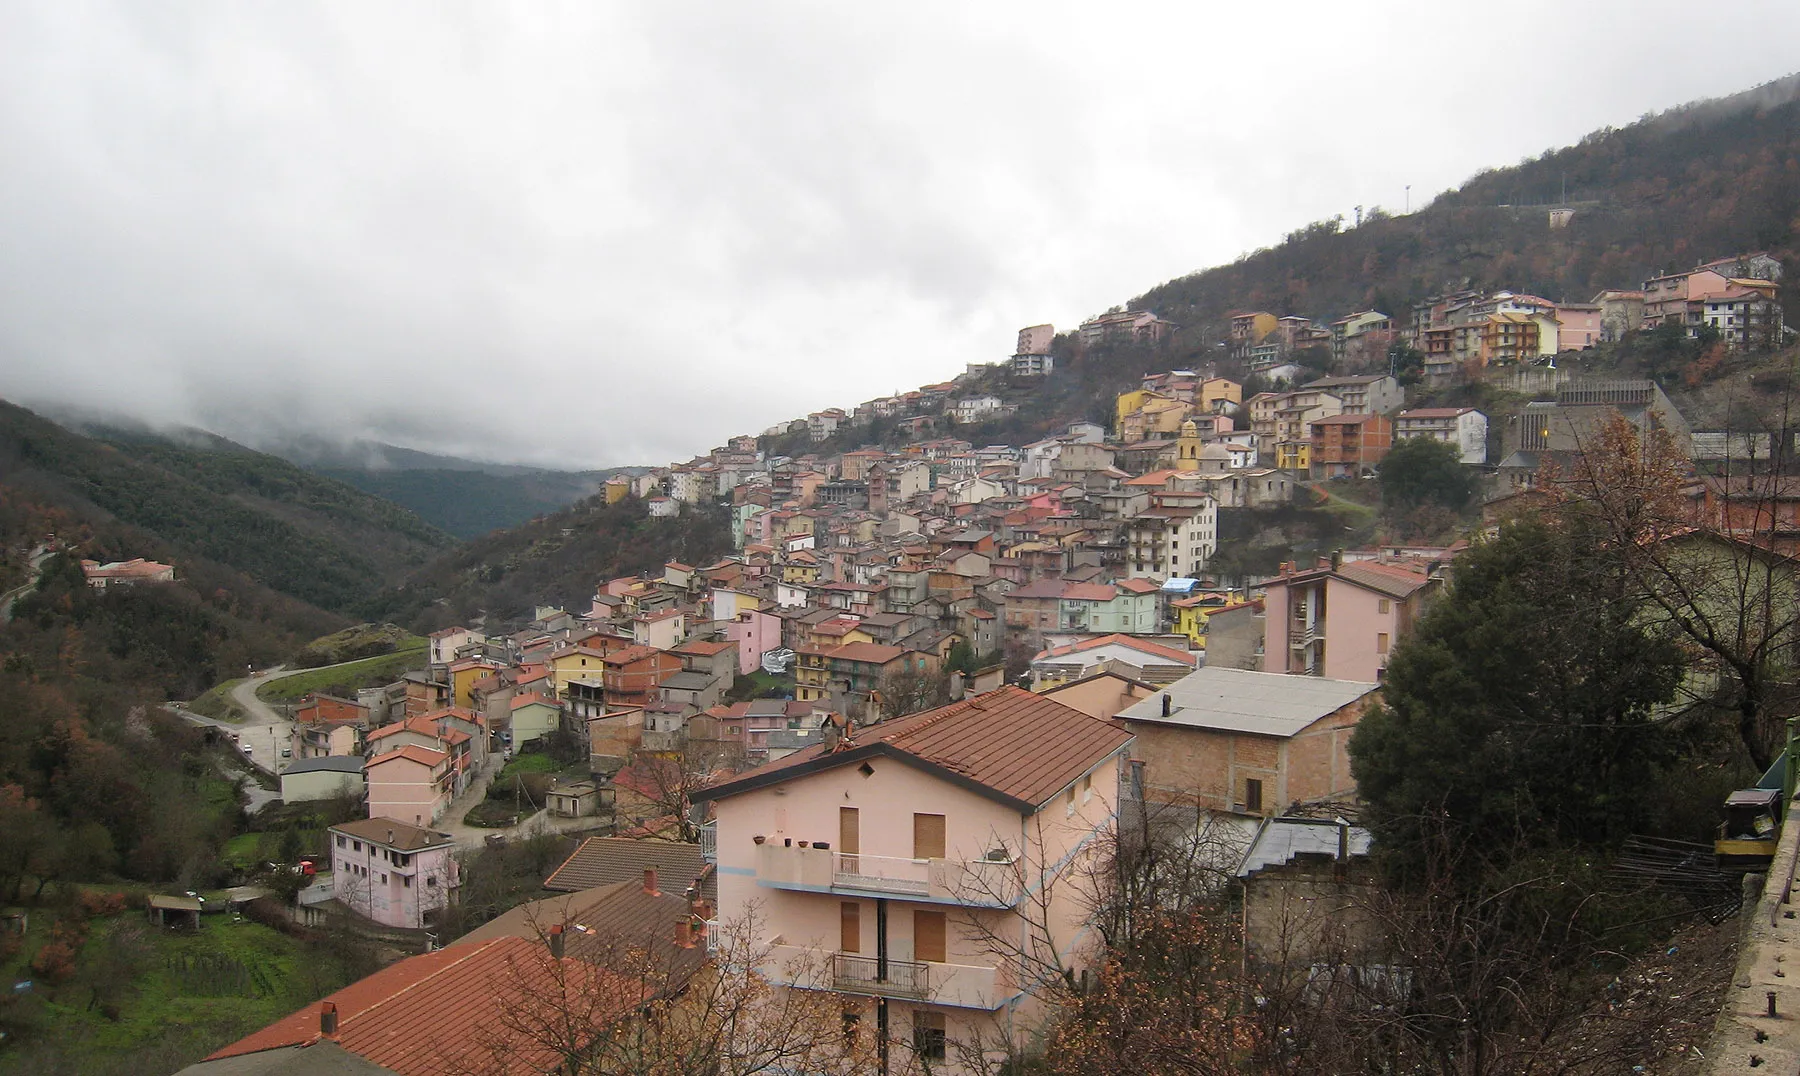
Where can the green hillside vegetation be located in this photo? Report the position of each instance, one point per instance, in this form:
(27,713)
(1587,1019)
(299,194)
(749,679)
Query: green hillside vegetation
(468,504)
(559,559)
(1703,181)
(354,642)
(344,680)
(313,538)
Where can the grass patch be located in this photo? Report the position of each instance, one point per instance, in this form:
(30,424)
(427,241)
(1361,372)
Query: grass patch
(344,680)
(216,702)
(759,685)
(144,1000)
(531,762)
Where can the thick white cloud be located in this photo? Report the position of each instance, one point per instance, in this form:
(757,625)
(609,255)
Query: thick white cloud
(585,234)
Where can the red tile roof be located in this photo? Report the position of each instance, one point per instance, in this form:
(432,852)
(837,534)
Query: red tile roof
(1144,645)
(868,653)
(1011,745)
(529,697)
(423,725)
(446,1011)
(703,647)
(425,756)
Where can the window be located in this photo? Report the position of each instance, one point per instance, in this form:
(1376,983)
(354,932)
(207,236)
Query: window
(1381,642)
(928,1035)
(1069,804)
(929,936)
(1087,788)
(340,840)
(406,881)
(431,882)
(1252,794)
(850,927)
(356,846)
(1383,606)
(852,1023)
(928,836)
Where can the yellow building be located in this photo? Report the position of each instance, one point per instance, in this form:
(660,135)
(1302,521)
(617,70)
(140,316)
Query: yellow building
(579,662)
(463,675)
(812,674)
(616,489)
(1191,614)
(800,567)
(1187,447)
(1215,392)
(1294,456)
(1128,403)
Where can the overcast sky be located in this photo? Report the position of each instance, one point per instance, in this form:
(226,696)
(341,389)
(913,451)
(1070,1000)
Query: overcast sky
(585,234)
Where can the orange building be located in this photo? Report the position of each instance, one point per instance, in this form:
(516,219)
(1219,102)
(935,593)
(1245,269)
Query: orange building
(1345,446)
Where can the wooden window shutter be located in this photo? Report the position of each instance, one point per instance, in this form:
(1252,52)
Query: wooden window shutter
(850,930)
(928,936)
(849,830)
(928,836)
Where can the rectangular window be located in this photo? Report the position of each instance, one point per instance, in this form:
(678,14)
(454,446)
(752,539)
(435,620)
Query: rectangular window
(1381,642)
(1252,794)
(850,927)
(928,1035)
(928,836)
(1383,606)
(1087,788)
(929,936)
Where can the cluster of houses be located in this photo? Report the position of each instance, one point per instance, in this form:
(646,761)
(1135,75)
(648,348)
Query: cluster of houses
(126,573)
(1464,332)
(888,855)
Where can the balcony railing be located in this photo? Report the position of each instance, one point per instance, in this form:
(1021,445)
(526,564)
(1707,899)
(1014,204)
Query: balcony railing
(864,975)
(885,874)
(995,882)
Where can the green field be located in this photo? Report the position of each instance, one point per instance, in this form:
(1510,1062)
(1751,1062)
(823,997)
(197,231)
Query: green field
(216,702)
(344,679)
(141,999)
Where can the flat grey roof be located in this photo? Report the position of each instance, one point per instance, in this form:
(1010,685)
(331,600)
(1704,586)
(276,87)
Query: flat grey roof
(327,764)
(1281,839)
(1237,700)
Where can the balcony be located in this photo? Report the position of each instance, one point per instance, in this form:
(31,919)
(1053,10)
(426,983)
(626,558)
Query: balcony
(967,986)
(1301,636)
(853,974)
(984,883)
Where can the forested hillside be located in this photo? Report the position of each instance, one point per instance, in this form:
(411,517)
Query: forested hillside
(1703,181)
(468,504)
(559,559)
(310,537)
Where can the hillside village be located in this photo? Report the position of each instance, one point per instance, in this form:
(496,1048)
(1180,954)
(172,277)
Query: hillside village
(935,676)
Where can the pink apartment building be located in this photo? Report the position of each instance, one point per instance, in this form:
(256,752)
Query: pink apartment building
(1342,621)
(391,872)
(880,862)
(409,784)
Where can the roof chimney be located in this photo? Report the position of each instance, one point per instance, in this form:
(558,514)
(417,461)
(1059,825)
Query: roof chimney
(1168,705)
(650,882)
(556,940)
(390,839)
(328,1019)
(1337,559)
(684,934)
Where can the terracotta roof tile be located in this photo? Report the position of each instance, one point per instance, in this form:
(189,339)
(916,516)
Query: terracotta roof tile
(1018,747)
(600,861)
(443,1012)
(425,756)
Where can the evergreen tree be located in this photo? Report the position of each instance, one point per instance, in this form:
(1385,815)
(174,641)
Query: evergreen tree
(1523,708)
